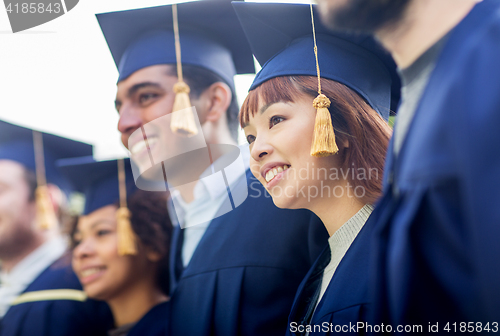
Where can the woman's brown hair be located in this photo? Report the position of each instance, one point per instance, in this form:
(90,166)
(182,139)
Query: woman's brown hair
(353,120)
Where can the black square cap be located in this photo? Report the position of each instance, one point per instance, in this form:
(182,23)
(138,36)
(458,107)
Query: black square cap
(210,37)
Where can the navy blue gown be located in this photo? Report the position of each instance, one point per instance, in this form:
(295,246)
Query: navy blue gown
(346,300)
(57,317)
(438,225)
(243,275)
(154,323)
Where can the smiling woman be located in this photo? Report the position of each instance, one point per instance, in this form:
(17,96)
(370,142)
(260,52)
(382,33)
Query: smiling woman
(284,124)
(284,104)
(135,285)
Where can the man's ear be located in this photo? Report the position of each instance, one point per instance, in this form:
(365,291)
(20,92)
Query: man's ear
(220,97)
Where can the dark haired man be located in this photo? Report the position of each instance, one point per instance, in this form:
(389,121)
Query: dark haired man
(39,293)
(233,272)
(437,248)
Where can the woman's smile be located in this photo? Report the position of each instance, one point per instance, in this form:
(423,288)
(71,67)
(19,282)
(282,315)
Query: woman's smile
(90,274)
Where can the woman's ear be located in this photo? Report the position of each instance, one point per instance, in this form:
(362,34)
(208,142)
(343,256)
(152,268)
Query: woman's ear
(153,256)
(346,143)
(220,98)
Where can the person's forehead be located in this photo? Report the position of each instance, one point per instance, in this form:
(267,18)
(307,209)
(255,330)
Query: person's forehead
(104,215)
(261,115)
(160,74)
(9,168)
(12,173)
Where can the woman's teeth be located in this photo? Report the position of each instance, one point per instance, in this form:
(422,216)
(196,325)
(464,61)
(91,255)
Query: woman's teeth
(90,271)
(141,145)
(275,171)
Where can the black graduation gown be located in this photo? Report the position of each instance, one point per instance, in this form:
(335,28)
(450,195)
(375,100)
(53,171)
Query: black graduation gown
(438,223)
(154,323)
(56,317)
(244,273)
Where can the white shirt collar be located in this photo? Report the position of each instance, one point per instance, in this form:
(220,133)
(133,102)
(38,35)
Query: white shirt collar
(27,270)
(210,192)
(209,186)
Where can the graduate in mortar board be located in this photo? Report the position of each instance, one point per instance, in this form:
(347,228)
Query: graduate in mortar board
(234,273)
(339,138)
(39,293)
(120,245)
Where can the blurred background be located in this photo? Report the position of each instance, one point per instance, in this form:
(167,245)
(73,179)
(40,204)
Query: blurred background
(59,77)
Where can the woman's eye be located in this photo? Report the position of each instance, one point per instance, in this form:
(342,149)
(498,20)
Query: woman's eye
(275,120)
(250,138)
(102,232)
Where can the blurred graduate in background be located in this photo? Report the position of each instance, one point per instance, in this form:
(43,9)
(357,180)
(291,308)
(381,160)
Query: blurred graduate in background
(39,293)
(121,245)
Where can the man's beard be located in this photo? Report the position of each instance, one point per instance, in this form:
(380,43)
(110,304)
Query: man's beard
(363,16)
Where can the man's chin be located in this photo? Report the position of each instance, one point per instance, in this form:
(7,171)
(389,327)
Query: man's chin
(361,16)
(328,11)
(153,173)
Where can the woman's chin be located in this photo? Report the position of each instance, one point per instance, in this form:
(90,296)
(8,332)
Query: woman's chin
(96,293)
(284,202)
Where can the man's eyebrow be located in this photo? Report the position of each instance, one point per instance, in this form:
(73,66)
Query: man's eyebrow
(139,86)
(135,88)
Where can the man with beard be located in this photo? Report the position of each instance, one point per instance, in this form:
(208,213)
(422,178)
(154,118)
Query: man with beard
(232,272)
(39,292)
(437,245)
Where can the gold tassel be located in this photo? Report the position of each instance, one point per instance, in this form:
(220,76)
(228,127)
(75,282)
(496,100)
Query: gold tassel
(46,218)
(127,239)
(126,236)
(182,122)
(324,137)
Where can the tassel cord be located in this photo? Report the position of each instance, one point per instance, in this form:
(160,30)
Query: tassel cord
(177,43)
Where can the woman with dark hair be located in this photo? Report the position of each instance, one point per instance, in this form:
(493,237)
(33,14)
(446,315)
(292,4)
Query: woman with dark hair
(122,260)
(336,173)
